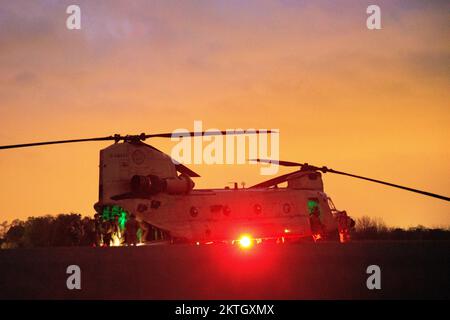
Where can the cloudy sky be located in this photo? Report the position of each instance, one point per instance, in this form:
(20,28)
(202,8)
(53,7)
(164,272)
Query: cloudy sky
(375,103)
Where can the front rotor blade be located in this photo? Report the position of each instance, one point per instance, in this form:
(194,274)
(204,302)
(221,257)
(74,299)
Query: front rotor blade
(137,137)
(34,144)
(206,133)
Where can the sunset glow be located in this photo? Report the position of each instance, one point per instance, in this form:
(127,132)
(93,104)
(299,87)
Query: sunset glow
(374,103)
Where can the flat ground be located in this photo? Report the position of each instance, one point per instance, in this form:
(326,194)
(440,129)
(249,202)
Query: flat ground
(291,271)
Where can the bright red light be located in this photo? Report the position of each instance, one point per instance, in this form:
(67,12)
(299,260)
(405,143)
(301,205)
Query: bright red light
(245,241)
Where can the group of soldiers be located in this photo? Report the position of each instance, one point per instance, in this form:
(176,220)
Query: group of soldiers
(317,227)
(344,223)
(100,232)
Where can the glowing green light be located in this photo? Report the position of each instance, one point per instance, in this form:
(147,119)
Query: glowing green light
(115,211)
(312,204)
(122,219)
(106,214)
(109,213)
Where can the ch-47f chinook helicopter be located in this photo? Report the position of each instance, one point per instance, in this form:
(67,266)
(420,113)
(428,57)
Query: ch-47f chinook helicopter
(136,178)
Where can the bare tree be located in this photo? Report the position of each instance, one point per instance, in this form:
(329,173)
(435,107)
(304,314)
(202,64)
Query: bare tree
(4,226)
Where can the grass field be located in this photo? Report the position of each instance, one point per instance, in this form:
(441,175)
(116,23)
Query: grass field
(409,270)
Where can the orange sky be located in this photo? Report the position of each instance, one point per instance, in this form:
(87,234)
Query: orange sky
(374,103)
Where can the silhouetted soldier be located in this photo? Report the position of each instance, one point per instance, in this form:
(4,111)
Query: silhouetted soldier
(98,229)
(316,224)
(116,234)
(342,226)
(107,233)
(131,229)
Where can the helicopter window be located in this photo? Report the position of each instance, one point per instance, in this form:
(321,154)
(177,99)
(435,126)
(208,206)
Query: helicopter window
(142,207)
(286,208)
(155,204)
(257,208)
(313,205)
(226,210)
(194,212)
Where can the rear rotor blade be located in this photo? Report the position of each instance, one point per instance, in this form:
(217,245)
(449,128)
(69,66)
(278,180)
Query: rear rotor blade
(279,162)
(274,181)
(426,193)
(307,167)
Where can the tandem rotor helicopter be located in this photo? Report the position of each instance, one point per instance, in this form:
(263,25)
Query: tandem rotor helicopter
(137,178)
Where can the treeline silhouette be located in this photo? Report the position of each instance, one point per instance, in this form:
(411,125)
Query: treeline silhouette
(51,231)
(47,231)
(368,228)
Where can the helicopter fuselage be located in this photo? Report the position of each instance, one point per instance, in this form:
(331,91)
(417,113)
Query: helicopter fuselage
(143,181)
(226,214)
